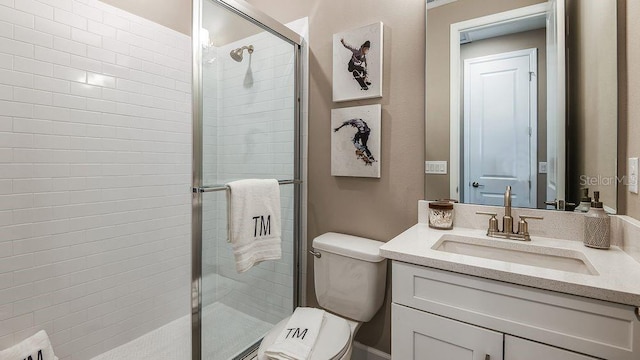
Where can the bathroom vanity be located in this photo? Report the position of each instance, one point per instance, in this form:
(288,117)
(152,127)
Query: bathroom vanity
(459,294)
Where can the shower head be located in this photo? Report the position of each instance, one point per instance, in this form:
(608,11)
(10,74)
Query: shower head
(236,54)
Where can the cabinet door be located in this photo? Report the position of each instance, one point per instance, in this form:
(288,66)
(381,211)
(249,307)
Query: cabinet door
(521,349)
(420,335)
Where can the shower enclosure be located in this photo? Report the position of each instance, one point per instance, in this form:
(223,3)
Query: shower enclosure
(246,118)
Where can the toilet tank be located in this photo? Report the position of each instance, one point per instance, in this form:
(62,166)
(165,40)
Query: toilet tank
(350,275)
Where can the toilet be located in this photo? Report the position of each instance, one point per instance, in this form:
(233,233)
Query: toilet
(350,277)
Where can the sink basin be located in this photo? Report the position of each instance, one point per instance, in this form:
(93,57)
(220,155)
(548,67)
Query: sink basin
(517,252)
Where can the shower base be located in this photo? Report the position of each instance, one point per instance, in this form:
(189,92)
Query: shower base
(226,333)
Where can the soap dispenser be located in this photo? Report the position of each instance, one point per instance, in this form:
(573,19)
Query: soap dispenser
(596,225)
(585,202)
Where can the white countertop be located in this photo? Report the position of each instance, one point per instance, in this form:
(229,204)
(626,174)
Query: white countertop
(618,278)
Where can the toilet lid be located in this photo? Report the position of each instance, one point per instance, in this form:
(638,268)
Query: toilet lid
(332,342)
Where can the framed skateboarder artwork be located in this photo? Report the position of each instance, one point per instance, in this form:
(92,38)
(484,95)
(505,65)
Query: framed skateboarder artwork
(357,63)
(355,141)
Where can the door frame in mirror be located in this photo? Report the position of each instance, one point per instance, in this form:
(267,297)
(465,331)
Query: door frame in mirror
(455,98)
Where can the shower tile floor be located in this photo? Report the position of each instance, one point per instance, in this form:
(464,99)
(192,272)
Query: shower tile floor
(226,333)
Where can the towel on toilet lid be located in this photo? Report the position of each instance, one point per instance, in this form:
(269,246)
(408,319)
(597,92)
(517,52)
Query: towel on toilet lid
(297,339)
(37,347)
(254,221)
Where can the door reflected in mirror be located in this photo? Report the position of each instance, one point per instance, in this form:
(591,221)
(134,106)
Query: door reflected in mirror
(500,120)
(511,120)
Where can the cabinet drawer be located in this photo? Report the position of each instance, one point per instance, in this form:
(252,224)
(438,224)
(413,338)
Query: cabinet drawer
(606,330)
(522,349)
(420,335)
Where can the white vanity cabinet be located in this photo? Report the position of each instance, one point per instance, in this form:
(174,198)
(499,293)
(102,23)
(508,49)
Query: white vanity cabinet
(440,315)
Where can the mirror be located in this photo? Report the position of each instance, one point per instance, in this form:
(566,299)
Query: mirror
(530,101)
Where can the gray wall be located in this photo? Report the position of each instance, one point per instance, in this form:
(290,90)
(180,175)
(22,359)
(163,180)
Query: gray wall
(592,97)
(629,88)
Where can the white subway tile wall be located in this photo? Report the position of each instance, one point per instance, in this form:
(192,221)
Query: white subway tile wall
(95,169)
(248,133)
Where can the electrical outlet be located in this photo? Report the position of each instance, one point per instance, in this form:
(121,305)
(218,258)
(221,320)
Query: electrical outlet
(542,167)
(633,175)
(435,167)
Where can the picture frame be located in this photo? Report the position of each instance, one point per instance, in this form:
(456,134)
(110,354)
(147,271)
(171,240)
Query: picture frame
(355,141)
(358,63)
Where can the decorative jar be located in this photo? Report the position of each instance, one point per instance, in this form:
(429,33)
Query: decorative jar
(441,215)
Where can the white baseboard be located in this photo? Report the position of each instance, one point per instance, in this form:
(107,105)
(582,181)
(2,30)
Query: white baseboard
(363,352)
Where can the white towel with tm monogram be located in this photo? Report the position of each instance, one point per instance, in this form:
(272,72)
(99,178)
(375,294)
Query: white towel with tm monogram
(254,221)
(297,339)
(36,347)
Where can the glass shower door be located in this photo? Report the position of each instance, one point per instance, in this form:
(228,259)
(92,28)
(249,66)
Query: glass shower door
(247,130)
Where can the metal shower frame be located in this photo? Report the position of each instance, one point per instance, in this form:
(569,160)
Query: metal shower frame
(264,21)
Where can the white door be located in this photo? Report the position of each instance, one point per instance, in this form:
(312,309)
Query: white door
(556,104)
(522,349)
(500,128)
(420,335)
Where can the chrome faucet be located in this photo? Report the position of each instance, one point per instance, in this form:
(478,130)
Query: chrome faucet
(507,222)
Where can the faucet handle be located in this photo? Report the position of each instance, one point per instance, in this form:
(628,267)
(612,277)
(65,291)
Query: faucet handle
(525,217)
(493,222)
(486,213)
(523,226)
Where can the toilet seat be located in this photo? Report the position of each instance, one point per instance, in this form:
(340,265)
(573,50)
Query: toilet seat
(333,341)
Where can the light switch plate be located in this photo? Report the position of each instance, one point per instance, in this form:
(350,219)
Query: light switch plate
(633,175)
(435,167)
(542,167)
